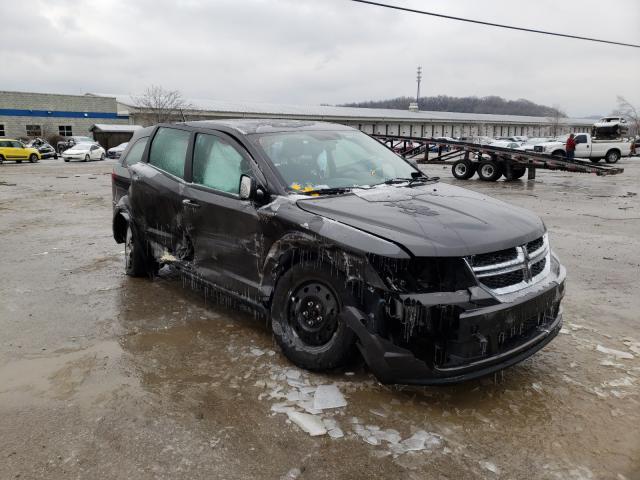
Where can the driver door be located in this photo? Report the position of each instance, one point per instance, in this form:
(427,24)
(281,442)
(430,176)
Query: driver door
(582,147)
(225,231)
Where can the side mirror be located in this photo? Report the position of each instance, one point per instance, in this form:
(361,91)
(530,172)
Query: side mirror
(249,190)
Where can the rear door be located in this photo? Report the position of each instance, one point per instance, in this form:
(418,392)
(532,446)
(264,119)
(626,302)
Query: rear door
(157,187)
(224,230)
(16,151)
(120,179)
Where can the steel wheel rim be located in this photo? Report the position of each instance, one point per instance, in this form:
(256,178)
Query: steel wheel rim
(488,170)
(461,169)
(313,313)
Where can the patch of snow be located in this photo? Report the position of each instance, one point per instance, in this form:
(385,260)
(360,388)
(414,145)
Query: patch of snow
(490,466)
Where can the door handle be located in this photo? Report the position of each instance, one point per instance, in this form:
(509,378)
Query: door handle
(190,203)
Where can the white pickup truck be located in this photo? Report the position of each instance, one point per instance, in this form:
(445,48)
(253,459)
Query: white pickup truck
(586,147)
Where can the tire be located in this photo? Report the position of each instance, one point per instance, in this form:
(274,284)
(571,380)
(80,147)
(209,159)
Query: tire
(559,153)
(612,156)
(314,344)
(135,262)
(594,160)
(102,156)
(1,159)
(66,159)
(463,169)
(489,171)
(33,158)
(55,156)
(517,173)
(87,158)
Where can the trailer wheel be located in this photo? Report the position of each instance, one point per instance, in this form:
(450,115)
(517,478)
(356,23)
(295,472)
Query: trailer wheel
(489,171)
(517,173)
(594,160)
(612,156)
(463,169)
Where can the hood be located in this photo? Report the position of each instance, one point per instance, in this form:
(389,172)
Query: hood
(431,220)
(77,150)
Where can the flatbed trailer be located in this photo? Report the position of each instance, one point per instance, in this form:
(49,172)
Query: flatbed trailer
(489,162)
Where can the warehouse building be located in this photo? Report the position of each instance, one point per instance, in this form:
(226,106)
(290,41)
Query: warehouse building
(26,114)
(376,120)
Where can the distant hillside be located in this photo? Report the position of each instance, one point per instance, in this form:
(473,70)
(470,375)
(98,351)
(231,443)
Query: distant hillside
(444,103)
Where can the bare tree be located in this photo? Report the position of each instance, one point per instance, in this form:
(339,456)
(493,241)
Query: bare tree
(628,111)
(158,105)
(554,121)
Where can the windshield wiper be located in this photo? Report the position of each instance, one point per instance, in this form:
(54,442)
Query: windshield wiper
(415,178)
(326,191)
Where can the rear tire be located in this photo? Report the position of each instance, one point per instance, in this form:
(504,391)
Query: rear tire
(612,156)
(306,320)
(463,169)
(135,262)
(489,171)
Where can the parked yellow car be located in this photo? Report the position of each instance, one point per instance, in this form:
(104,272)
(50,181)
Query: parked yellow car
(15,150)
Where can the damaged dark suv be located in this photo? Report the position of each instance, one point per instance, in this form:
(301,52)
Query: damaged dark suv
(340,243)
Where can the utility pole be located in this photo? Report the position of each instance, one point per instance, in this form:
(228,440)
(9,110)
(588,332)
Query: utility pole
(418,78)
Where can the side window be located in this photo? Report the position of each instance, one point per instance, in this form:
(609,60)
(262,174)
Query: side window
(4,144)
(581,139)
(15,144)
(217,164)
(169,150)
(135,152)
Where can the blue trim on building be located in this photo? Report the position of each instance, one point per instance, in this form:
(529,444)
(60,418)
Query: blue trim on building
(14,112)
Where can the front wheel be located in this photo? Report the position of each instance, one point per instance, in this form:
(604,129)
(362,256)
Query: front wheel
(612,156)
(102,156)
(33,158)
(489,171)
(306,317)
(87,158)
(463,169)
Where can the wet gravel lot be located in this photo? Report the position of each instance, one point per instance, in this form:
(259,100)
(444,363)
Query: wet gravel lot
(105,376)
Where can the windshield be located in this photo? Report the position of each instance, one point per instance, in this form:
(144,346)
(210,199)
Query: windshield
(314,160)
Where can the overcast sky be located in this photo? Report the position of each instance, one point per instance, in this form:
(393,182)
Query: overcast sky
(323,51)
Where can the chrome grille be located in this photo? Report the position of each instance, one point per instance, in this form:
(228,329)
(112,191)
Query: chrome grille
(513,269)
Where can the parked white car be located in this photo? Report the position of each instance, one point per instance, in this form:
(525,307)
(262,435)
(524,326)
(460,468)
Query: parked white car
(84,152)
(115,152)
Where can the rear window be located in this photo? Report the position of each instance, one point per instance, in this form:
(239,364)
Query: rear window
(169,150)
(136,151)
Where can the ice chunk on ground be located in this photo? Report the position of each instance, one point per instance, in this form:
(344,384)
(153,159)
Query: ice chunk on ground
(537,387)
(307,405)
(615,353)
(292,474)
(421,440)
(336,433)
(328,396)
(330,423)
(309,423)
(256,352)
(378,412)
(293,374)
(283,407)
(491,467)
(633,346)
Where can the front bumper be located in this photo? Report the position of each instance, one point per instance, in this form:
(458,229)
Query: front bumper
(392,363)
